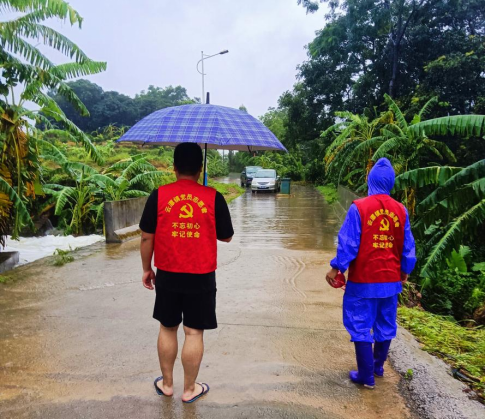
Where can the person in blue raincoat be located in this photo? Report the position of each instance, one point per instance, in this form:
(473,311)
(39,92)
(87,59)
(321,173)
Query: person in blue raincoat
(376,245)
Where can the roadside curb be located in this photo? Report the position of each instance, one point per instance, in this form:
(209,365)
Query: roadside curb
(432,392)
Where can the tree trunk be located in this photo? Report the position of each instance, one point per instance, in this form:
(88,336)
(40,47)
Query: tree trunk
(395,62)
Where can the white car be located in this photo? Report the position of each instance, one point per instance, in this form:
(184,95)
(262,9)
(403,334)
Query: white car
(266,180)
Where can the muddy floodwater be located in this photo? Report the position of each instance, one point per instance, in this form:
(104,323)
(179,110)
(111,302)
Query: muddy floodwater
(78,341)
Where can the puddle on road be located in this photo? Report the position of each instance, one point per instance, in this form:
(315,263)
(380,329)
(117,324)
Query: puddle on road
(301,221)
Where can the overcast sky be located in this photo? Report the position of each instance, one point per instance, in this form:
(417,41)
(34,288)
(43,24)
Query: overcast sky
(159,42)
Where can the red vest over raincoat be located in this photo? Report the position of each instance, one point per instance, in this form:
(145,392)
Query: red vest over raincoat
(382,239)
(186,239)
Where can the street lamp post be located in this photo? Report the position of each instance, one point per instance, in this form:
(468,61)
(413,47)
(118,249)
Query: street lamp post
(202,59)
(203,100)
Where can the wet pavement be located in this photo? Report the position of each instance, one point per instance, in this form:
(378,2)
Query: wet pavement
(78,341)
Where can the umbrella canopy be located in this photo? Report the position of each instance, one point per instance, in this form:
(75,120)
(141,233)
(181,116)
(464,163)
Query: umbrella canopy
(217,126)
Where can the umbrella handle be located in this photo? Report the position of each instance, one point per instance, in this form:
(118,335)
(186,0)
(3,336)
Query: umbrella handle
(205,165)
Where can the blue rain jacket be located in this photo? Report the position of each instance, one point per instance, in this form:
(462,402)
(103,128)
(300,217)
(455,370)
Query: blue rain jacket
(380,181)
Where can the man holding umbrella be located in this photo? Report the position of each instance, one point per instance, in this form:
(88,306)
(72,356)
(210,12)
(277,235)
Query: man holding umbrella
(180,227)
(376,244)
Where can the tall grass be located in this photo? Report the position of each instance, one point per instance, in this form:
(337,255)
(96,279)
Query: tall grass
(463,348)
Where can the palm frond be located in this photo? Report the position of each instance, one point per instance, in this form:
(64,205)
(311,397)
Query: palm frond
(52,188)
(63,197)
(348,115)
(418,178)
(106,180)
(459,125)
(365,146)
(77,135)
(341,138)
(21,47)
(81,168)
(465,225)
(457,180)
(50,151)
(397,112)
(48,36)
(21,210)
(86,68)
(119,166)
(136,167)
(33,92)
(135,194)
(40,10)
(99,212)
(150,179)
(443,149)
(392,130)
(426,109)
(387,146)
(455,203)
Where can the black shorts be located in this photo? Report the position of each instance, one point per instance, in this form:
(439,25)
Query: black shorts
(197,310)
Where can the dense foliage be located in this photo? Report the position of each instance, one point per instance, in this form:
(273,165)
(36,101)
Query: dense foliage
(409,49)
(116,109)
(24,66)
(425,55)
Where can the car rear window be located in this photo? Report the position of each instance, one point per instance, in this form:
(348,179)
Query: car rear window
(265,173)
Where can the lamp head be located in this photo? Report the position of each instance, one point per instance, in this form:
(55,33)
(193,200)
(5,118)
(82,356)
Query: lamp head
(224,52)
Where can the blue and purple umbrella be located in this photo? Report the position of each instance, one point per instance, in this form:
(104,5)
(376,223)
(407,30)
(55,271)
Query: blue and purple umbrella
(212,126)
(217,126)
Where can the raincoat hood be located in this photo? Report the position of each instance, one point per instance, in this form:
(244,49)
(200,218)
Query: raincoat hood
(381,178)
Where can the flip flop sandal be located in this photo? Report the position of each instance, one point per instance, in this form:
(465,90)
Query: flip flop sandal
(204,392)
(157,389)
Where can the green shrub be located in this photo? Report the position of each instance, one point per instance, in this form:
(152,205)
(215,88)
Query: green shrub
(458,290)
(61,257)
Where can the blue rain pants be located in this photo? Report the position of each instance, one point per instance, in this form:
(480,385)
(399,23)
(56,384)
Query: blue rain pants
(370,319)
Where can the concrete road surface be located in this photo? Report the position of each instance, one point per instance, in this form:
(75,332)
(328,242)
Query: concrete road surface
(79,341)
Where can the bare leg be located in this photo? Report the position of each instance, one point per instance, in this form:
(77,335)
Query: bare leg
(167,352)
(192,353)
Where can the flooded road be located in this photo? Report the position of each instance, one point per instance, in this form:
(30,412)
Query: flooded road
(79,341)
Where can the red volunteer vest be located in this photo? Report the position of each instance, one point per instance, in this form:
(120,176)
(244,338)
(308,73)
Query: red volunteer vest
(186,239)
(381,243)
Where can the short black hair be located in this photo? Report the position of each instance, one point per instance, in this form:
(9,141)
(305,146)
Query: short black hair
(187,158)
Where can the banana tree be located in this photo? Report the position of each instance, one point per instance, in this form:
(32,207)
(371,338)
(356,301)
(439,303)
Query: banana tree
(408,143)
(80,203)
(75,204)
(23,64)
(452,212)
(130,178)
(352,131)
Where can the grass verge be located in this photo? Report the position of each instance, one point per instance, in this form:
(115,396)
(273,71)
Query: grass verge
(230,191)
(329,192)
(463,348)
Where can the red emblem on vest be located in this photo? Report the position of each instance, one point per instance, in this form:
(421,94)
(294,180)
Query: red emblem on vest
(186,239)
(382,239)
